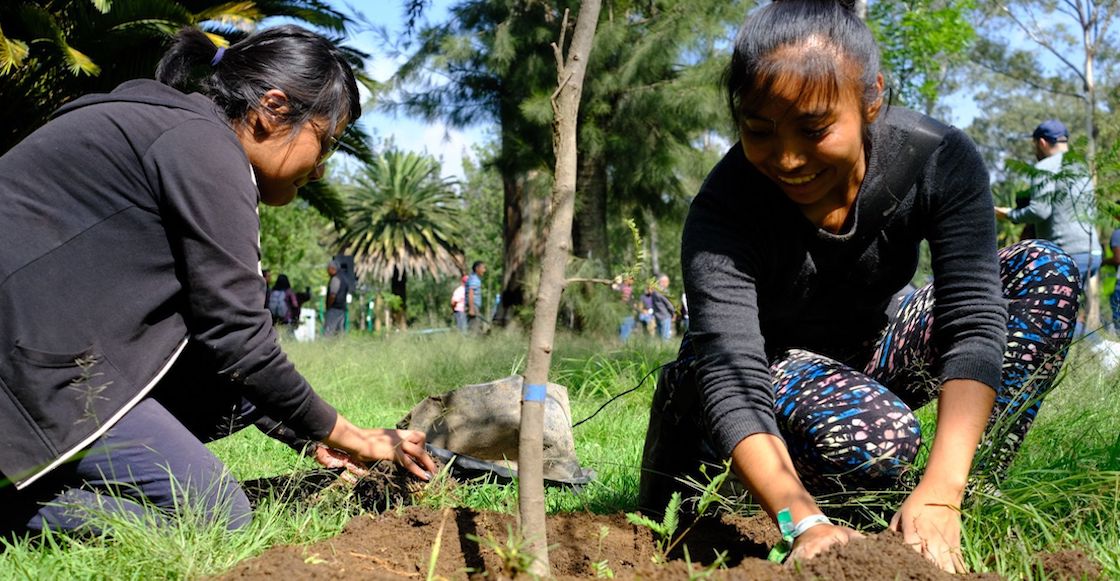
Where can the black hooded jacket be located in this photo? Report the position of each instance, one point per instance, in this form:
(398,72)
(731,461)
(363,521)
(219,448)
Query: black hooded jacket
(128,227)
(761,279)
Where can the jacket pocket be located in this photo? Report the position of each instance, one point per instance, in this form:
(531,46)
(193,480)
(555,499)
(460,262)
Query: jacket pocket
(62,392)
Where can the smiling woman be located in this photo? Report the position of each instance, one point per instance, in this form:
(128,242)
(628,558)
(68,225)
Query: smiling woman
(795,368)
(130,290)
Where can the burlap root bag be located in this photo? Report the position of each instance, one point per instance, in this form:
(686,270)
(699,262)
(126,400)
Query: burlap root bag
(482,422)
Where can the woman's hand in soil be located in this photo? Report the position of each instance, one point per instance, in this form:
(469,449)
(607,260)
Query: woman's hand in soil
(330,458)
(931,523)
(405,447)
(930,519)
(820,539)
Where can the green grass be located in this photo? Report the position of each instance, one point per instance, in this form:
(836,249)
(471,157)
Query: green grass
(1063,492)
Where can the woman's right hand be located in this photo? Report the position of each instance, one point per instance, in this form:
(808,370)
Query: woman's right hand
(820,539)
(405,447)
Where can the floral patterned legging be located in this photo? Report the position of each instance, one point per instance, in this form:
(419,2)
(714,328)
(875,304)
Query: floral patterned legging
(847,428)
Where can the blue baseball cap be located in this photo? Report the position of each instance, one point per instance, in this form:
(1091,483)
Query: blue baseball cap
(1051,130)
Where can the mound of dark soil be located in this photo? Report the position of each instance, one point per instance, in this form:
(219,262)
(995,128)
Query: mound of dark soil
(466,544)
(1070,565)
(399,545)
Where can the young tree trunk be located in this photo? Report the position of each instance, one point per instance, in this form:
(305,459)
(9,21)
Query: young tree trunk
(565,108)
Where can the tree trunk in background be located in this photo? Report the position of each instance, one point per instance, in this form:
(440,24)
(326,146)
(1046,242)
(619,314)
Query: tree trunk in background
(565,110)
(651,236)
(399,287)
(1093,292)
(517,243)
(589,231)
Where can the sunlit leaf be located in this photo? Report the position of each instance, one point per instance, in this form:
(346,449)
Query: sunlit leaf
(217,39)
(79,63)
(12,53)
(241,15)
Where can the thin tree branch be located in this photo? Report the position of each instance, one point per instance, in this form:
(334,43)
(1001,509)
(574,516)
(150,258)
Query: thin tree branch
(1075,10)
(1105,20)
(560,87)
(1029,82)
(590,280)
(558,48)
(1037,38)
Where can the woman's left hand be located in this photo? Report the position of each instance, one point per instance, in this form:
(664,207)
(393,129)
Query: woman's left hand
(330,458)
(930,522)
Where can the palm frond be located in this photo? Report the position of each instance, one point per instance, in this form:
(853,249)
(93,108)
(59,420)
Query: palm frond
(355,142)
(12,53)
(325,199)
(160,26)
(164,14)
(102,6)
(79,63)
(44,27)
(314,12)
(217,39)
(241,15)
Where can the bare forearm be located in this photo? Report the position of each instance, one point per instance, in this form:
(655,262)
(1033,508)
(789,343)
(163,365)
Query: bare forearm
(762,463)
(962,414)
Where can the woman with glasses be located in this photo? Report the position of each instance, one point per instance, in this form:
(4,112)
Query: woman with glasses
(130,285)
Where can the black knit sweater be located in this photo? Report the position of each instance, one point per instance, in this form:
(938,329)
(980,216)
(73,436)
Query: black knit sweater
(762,279)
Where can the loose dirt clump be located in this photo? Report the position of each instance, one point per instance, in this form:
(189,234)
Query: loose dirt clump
(1072,565)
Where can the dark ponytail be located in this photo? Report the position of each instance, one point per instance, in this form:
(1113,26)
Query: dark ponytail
(308,68)
(821,44)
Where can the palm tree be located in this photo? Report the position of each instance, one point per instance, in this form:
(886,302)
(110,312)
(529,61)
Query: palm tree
(52,52)
(495,55)
(402,219)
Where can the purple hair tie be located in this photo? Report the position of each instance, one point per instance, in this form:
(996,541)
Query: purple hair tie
(218,56)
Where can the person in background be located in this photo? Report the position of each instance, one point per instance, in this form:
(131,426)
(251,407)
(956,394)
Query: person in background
(282,302)
(792,369)
(474,296)
(338,288)
(663,309)
(1062,206)
(267,276)
(459,305)
(624,286)
(645,311)
(149,194)
(1114,260)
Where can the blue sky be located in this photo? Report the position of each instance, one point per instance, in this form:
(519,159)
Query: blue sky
(447,144)
(450,145)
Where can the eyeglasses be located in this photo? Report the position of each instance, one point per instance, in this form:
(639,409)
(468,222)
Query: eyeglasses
(327,149)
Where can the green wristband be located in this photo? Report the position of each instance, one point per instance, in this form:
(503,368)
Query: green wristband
(783,548)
